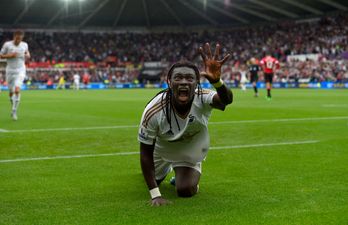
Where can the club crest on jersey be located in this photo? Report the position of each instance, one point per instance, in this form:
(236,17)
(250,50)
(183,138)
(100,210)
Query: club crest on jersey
(191,118)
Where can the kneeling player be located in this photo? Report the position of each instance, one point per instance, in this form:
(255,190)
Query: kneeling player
(174,127)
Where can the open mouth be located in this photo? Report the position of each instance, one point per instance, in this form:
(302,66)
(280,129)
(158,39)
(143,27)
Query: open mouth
(183,92)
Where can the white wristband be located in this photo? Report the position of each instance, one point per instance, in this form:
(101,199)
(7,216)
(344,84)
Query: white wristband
(218,84)
(155,192)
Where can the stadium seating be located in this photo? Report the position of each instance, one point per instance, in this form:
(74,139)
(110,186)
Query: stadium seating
(327,37)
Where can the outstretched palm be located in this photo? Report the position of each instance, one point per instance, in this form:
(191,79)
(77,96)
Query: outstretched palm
(212,66)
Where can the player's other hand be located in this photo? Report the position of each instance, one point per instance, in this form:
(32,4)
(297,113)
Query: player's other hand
(159,201)
(12,55)
(212,64)
(26,55)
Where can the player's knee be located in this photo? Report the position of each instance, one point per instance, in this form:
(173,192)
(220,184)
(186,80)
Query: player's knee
(186,191)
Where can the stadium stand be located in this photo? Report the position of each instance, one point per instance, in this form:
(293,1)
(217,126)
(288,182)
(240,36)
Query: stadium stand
(119,57)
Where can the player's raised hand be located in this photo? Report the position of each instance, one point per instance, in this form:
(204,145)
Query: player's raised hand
(212,64)
(160,201)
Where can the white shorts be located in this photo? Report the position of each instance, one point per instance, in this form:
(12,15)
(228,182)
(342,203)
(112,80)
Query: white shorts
(14,79)
(163,167)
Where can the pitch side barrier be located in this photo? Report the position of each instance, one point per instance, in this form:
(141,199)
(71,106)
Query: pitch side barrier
(316,85)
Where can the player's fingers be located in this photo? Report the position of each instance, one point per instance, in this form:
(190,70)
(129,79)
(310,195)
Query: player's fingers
(166,202)
(217,52)
(201,52)
(225,58)
(207,50)
(155,204)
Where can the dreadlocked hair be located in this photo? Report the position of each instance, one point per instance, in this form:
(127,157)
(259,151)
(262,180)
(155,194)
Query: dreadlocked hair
(166,99)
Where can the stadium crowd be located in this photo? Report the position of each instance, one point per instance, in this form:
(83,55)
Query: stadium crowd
(327,37)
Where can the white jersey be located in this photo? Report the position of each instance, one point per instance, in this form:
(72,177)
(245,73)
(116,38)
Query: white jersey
(17,64)
(243,77)
(188,139)
(76,78)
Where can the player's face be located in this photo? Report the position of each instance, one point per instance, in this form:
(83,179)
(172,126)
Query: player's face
(253,61)
(18,38)
(183,83)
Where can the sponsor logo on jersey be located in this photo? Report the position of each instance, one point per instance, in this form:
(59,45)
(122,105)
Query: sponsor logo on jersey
(143,135)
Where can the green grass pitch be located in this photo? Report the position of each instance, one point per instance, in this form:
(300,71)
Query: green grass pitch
(283,161)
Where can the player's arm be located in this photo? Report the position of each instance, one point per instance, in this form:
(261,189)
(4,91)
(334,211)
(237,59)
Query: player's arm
(212,72)
(262,65)
(223,97)
(27,55)
(4,54)
(148,169)
(8,56)
(147,138)
(276,65)
(147,164)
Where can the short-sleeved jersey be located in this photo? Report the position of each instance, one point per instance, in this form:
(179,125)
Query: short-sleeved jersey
(76,78)
(243,75)
(186,140)
(85,78)
(61,80)
(16,64)
(268,64)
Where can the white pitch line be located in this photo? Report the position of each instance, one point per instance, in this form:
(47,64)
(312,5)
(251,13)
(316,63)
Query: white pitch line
(3,130)
(211,123)
(282,120)
(263,145)
(135,153)
(335,106)
(72,129)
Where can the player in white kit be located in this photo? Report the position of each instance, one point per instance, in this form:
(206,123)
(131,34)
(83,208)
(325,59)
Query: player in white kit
(15,52)
(173,133)
(76,78)
(243,77)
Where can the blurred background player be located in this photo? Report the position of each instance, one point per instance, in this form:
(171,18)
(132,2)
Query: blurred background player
(15,52)
(76,79)
(243,77)
(254,69)
(61,82)
(85,80)
(269,65)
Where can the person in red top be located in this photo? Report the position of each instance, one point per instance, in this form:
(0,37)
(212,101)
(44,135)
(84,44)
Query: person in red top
(85,79)
(269,65)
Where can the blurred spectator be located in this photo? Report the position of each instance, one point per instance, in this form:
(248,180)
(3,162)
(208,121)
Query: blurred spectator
(327,36)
